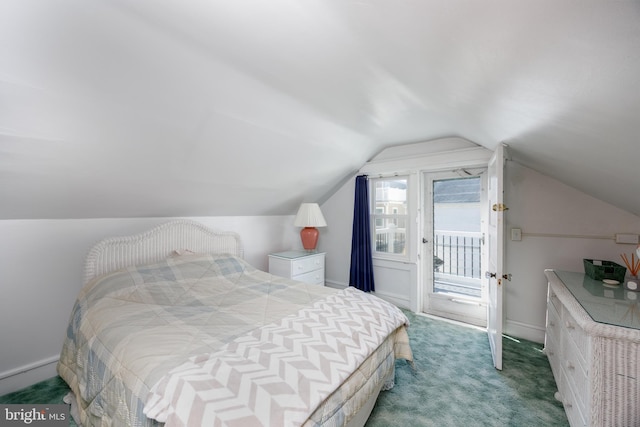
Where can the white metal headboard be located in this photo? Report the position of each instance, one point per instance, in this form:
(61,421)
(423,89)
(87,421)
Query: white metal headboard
(157,244)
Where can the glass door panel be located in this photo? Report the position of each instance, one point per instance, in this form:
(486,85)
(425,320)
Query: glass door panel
(454,243)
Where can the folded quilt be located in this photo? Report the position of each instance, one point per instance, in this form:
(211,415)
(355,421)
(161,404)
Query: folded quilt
(277,375)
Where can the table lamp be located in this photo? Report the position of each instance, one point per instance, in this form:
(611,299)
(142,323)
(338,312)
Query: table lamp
(309,216)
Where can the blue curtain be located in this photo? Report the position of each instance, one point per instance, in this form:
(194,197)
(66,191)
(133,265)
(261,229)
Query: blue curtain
(361,275)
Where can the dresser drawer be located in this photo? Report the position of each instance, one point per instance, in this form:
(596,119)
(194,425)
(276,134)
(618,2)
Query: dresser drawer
(306,265)
(554,324)
(552,350)
(577,336)
(576,375)
(568,399)
(553,340)
(553,299)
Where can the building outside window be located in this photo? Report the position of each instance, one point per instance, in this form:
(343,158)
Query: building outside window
(390,216)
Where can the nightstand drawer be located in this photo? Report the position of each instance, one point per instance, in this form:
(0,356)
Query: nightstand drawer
(308,264)
(313,278)
(303,266)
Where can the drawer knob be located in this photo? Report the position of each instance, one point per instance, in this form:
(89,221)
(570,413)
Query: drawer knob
(570,325)
(570,365)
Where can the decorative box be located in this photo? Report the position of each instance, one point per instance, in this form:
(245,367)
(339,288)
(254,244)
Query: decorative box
(598,270)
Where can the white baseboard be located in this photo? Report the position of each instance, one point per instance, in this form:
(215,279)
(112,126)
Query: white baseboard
(524,331)
(393,299)
(24,376)
(336,285)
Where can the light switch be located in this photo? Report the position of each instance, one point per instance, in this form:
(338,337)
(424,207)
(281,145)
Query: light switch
(516,234)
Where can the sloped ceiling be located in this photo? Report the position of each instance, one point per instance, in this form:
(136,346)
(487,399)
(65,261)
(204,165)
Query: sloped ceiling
(129,108)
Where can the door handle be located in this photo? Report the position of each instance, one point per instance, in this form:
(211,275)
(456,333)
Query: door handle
(424,240)
(494,275)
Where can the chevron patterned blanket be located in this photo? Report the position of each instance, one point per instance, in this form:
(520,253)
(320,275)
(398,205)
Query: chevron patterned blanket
(277,375)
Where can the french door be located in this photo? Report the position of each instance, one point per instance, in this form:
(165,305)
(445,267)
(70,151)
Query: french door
(449,209)
(453,246)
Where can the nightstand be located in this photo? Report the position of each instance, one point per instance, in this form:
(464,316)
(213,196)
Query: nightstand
(304,266)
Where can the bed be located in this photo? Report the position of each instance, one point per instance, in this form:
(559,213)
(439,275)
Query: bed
(173,327)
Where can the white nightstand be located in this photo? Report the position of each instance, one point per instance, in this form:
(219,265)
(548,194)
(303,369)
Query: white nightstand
(300,265)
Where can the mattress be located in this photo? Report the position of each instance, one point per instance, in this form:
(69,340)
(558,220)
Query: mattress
(132,333)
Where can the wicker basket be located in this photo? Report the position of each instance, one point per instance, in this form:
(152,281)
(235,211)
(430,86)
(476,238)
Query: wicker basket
(608,270)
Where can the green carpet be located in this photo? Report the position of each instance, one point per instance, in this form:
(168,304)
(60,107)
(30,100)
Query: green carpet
(453,384)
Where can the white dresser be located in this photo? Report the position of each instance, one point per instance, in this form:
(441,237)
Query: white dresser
(593,344)
(300,265)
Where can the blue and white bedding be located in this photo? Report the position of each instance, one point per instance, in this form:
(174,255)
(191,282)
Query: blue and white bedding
(131,330)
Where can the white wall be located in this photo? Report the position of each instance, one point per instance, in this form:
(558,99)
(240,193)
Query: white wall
(41,264)
(335,239)
(539,205)
(560,227)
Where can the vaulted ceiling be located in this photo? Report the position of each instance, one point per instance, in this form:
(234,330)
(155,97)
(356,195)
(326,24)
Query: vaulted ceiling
(126,108)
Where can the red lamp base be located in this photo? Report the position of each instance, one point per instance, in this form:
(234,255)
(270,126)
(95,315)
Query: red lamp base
(309,236)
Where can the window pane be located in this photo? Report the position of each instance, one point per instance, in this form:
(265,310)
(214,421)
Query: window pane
(391,196)
(390,215)
(456,228)
(390,235)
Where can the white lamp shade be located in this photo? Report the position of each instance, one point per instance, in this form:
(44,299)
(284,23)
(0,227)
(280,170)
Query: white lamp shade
(309,215)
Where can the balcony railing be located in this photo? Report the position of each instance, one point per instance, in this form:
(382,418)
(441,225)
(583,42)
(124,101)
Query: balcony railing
(457,257)
(390,240)
(457,253)
(457,262)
